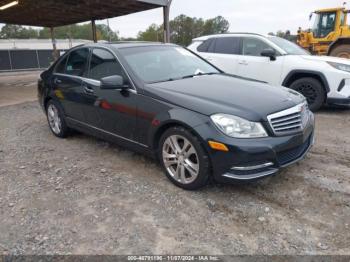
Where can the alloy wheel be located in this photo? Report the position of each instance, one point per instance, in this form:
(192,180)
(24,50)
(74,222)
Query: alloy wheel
(307,90)
(180,159)
(54,119)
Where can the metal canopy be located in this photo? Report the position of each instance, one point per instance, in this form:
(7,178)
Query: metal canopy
(53,13)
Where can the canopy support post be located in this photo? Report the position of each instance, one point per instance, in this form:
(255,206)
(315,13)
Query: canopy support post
(94,31)
(166,15)
(55,53)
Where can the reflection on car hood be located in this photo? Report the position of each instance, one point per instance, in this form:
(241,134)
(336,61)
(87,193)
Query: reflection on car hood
(212,94)
(327,59)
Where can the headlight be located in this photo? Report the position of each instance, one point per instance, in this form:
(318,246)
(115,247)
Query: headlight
(237,127)
(342,67)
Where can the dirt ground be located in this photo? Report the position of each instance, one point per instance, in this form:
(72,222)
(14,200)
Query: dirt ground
(18,87)
(81,195)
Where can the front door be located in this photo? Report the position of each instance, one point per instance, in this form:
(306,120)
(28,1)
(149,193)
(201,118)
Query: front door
(252,65)
(113,111)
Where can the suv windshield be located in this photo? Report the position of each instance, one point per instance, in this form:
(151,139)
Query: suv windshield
(287,46)
(165,63)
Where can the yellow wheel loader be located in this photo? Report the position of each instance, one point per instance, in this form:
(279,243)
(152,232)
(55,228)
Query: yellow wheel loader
(330,34)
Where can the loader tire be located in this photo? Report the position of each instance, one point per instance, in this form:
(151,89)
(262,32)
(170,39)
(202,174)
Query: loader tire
(342,51)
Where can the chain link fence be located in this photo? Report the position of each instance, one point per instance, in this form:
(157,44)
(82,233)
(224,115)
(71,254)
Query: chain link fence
(17,59)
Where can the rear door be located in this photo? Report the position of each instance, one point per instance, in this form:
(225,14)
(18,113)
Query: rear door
(67,82)
(252,65)
(223,52)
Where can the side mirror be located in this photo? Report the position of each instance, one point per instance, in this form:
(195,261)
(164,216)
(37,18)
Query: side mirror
(113,82)
(269,53)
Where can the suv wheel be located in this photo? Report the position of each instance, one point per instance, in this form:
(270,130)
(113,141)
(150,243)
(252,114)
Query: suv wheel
(312,89)
(56,120)
(184,159)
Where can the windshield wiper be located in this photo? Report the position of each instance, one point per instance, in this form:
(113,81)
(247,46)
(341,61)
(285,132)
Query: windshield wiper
(200,74)
(184,77)
(164,80)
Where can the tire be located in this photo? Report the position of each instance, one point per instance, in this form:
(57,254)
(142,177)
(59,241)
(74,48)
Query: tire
(341,51)
(312,89)
(189,171)
(56,119)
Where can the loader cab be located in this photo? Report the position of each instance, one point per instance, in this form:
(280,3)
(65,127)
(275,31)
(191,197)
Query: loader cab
(324,24)
(327,21)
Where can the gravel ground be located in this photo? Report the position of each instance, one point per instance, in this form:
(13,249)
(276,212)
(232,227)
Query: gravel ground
(81,195)
(16,87)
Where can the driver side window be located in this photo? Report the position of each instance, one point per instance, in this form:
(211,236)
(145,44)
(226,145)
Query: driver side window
(253,46)
(104,64)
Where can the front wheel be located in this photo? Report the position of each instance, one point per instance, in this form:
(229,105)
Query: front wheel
(184,159)
(313,91)
(342,51)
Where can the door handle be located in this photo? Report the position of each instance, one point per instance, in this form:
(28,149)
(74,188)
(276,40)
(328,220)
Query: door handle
(57,81)
(88,90)
(243,62)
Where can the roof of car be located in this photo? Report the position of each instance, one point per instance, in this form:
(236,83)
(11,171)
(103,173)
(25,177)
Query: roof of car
(126,44)
(226,35)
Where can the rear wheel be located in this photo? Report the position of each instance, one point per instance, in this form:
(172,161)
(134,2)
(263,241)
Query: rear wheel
(341,51)
(313,91)
(56,120)
(184,159)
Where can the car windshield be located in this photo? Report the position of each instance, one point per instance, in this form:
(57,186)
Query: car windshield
(287,46)
(165,63)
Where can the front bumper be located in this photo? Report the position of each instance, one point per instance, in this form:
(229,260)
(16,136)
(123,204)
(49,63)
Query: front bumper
(283,159)
(339,94)
(344,102)
(251,159)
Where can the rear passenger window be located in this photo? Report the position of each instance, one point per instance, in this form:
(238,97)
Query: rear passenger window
(77,62)
(103,64)
(227,45)
(253,46)
(205,45)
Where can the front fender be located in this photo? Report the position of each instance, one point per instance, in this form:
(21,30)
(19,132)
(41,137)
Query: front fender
(173,117)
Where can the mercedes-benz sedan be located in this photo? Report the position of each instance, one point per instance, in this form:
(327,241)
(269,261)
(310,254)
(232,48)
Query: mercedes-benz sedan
(166,101)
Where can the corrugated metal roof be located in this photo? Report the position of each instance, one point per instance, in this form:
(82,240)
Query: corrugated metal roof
(53,13)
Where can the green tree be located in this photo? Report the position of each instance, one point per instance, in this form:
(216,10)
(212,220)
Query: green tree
(183,29)
(152,33)
(17,31)
(217,25)
(81,32)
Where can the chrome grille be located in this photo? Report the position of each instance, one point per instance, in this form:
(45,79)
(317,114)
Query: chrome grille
(290,120)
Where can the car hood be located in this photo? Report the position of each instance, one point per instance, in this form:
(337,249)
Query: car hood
(327,59)
(212,94)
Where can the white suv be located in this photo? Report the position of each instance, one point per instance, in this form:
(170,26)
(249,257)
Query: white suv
(274,60)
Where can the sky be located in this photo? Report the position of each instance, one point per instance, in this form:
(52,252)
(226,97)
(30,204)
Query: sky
(256,16)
